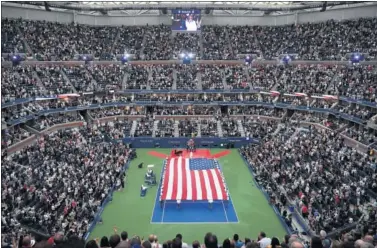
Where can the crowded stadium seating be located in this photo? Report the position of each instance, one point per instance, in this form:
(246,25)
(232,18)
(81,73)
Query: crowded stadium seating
(312,120)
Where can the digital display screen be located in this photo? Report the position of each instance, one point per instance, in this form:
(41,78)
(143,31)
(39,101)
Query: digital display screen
(186,20)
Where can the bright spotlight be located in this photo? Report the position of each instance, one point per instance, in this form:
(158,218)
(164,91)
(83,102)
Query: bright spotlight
(84,57)
(191,55)
(248,57)
(14,57)
(287,57)
(183,55)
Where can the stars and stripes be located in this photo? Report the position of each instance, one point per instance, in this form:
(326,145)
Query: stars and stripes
(193,179)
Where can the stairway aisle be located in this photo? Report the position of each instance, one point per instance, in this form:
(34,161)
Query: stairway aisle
(68,81)
(199,78)
(224,80)
(143,45)
(155,127)
(201,45)
(176,129)
(39,82)
(240,128)
(133,128)
(174,87)
(26,44)
(199,134)
(149,78)
(124,81)
(219,129)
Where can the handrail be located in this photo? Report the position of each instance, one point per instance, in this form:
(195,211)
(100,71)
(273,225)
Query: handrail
(169,62)
(244,103)
(31,139)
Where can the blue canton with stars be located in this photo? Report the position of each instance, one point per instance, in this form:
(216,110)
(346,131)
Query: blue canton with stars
(202,164)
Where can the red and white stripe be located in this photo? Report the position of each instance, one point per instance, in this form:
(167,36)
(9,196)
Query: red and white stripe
(300,94)
(274,93)
(68,95)
(330,97)
(181,183)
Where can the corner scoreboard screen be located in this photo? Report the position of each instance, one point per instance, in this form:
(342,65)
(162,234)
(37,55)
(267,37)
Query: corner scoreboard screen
(186,20)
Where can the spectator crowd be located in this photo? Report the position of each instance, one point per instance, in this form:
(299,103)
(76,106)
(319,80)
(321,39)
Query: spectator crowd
(58,183)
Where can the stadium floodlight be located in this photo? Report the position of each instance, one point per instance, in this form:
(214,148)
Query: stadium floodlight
(286,59)
(124,58)
(16,59)
(248,60)
(356,58)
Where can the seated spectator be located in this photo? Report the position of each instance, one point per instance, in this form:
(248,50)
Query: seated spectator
(54,119)
(264,76)
(36,201)
(144,127)
(212,77)
(236,78)
(107,77)
(208,128)
(216,43)
(186,43)
(243,40)
(157,43)
(187,77)
(130,41)
(188,128)
(165,128)
(80,78)
(53,81)
(11,41)
(162,77)
(258,129)
(19,82)
(137,77)
(230,127)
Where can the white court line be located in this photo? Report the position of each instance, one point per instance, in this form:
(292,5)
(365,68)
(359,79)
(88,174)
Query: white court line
(163,213)
(196,223)
(230,197)
(226,215)
(158,190)
(193,223)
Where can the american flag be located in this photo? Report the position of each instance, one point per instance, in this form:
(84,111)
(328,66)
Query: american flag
(193,179)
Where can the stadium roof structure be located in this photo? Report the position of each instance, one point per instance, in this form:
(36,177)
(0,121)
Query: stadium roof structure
(215,8)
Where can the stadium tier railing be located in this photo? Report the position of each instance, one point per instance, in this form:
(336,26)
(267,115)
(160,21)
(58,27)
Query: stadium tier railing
(149,142)
(31,139)
(118,117)
(183,117)
(181,142)
(362,148)
(167,62)
(63,126)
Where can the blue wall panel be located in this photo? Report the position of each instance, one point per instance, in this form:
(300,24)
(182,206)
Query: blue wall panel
(203,142)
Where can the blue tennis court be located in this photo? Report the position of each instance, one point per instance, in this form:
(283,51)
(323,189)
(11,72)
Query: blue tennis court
(193,212)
